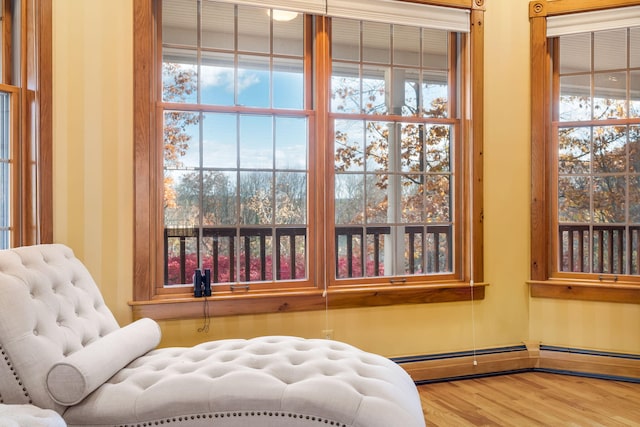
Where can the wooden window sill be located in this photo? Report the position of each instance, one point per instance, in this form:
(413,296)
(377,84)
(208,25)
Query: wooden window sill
(228,304)
(585,290)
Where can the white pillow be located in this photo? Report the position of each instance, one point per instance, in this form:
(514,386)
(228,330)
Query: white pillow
(80,373)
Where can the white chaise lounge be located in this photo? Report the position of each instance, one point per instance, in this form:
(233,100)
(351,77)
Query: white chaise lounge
(63,350)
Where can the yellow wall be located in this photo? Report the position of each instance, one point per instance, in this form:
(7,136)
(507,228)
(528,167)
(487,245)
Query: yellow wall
(93,206)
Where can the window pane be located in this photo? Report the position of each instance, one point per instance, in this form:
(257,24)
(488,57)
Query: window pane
(435,49)
(218,254)
(377,145)
(412,155)
(575,53)
(609,199)
(181,139)
(291,198)
(634,199)
(610,49)
(220,141)
(345,88)
(575,98)
(610,95)
(634,47)
(609,149)
(288,83)
(573,199)
(287,36)
(634,149)
(256,142)
(435,94)
(255,258)
(254,34)
(437,156)
(349,144)
(217,82)
(291,143)
(375,91)
(5,200)
(406,45)
(5,130)
(181,199)
(438,198)
(179,22)
(411,102)
(574,150)
(345,39)
(634,102)
(254,82)
(376,42)
(219,198)
(377,195)
(256,198)
(217,25)
(179,76)
(349,198)
(182,256)
(412,200)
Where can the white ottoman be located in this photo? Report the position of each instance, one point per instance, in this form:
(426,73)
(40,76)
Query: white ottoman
(265,381)
(29,416)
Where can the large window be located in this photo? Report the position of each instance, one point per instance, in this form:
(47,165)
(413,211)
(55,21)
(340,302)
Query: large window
(8,171)
(592,168)
(294,157)
(25,123)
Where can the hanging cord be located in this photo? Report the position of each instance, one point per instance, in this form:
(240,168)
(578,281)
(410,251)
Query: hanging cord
(326,309)
(206,316)
(472,261)
(473,324)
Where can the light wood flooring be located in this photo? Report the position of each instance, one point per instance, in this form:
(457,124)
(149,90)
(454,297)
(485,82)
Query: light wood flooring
(531,399)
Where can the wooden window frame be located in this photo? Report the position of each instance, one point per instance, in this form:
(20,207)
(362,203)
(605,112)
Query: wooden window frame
(31,81)
(544,280)
(147,302)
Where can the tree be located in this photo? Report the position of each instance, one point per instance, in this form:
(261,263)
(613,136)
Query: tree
(179,82)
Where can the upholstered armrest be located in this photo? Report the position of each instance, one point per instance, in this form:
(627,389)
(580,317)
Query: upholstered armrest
(74,378)
(29,415)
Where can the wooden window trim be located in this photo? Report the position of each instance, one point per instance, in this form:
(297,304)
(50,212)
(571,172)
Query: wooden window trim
(32,195)
(543,282)
(148,220)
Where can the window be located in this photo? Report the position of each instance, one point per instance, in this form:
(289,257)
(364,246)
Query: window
(8,173)
(588,212)
(331,151)
(25,123)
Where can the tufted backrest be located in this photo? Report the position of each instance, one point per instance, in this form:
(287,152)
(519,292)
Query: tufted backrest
(50,307)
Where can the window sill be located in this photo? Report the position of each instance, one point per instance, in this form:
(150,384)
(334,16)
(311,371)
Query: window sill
(229,304)
(585,290)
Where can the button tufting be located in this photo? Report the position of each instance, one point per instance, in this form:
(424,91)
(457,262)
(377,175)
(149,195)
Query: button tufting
(35,332)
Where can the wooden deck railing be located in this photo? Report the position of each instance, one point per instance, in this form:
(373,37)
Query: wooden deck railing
(607,249)
(428,250)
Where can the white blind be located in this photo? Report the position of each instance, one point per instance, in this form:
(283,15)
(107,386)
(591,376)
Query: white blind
(316,7)
(389,11)
(583,22)
(398,12)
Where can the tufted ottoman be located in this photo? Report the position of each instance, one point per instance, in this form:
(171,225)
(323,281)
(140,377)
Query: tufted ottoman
(63,350)
(283,381)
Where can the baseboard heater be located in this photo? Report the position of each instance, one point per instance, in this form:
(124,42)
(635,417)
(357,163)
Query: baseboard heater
(522,358)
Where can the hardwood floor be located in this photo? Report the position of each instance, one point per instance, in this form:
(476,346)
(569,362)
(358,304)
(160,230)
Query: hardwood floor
(531,399)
